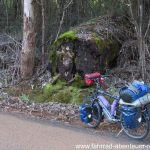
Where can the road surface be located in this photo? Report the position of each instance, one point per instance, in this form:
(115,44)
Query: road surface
(18,133)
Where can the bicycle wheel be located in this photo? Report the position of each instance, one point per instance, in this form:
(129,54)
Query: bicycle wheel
(140,131)
(96,115)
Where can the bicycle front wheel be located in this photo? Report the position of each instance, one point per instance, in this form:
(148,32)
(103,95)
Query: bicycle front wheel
(96,115)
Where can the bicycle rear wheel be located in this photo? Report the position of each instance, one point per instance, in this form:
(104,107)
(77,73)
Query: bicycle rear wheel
(140,131)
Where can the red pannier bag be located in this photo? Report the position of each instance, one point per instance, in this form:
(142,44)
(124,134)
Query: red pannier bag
(89,78)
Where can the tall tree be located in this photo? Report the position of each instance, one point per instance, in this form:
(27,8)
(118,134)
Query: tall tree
(43,32)
(141,22)
(28,47)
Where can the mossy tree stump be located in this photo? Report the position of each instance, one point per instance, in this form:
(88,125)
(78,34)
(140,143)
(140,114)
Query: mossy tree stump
(88,48)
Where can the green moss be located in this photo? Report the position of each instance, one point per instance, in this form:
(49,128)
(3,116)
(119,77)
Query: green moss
(63,96)
(53,56)
(51,89)
(76,95)
(96,39)
(60,92)
(37,96)
(103,45)
(78,81)
(70,35)
(113,53)
(68,95)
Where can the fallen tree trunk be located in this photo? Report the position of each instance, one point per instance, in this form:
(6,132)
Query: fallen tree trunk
(90,47)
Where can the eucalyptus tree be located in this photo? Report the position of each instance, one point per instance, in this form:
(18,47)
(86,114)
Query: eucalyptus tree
(28,45)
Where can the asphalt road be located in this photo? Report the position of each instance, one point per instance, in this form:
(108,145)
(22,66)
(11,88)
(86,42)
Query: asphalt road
(20,133)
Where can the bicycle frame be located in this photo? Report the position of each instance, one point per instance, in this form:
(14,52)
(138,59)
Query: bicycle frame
(109,110)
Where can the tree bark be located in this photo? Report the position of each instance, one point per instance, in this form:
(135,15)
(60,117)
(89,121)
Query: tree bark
(28,47)
(139,28)
(141,42)
(43,32)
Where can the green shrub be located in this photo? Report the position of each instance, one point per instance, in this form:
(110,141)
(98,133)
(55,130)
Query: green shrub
(60,92)
(78,81)
(25,98)
(76,96)
(51,89)
(63,96)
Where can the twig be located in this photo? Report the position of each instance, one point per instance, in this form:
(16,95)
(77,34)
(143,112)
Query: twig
(11,61)
(67,5)
(55,79)
(71,81)
(147,30)
(62,18)
(135,22)
(14,40)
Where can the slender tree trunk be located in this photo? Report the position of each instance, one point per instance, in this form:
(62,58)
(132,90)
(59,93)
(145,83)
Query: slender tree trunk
(141,42)
(139,28)
(28,47)
(43,32)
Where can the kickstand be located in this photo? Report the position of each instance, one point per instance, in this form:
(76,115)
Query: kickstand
(119,132)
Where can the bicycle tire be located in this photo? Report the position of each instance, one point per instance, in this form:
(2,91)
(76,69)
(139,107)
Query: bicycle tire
(137,137)
(96,105)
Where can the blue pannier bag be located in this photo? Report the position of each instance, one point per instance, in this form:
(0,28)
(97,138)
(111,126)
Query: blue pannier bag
(130,116)
(133,91)
(85,113)
(129,94)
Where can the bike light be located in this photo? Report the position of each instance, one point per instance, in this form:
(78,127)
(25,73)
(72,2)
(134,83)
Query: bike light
(89,116)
